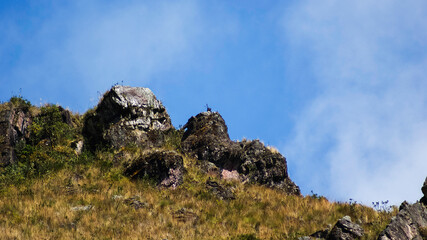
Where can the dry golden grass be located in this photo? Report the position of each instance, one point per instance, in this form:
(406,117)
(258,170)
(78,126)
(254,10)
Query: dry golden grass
(42,209)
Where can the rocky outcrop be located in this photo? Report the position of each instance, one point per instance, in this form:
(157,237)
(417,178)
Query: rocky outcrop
(410,222)
(166,168)
(206,138)
(345,229)
(407,223)
(424,190)
(127,116)
(259,164)
(14,127)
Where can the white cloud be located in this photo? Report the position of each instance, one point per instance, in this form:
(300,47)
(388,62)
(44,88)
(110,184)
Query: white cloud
(364,136)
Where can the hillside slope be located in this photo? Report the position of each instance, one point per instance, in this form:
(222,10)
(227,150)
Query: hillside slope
(122,171)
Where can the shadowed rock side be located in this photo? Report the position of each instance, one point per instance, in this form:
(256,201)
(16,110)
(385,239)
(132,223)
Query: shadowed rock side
(345,229)
(206,138)
(127,115)
(410,222)
(424,190)
(14,127)
(166,168)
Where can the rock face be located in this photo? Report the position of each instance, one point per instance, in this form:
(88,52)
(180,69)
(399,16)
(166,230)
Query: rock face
(14,127)
(206,138)
(166,168)
(407,223)
(345,229)
(424,190)
(127,115)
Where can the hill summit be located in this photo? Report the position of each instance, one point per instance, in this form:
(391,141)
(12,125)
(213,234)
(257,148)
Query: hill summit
(123,171)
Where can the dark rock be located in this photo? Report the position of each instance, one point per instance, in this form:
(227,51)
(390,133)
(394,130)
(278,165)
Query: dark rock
(345,229)
(166,168)
(424,190)
(14,128)
(261,165)
(127,116)
(220,191)
(185,215)
(66,116)
(407,223)
(320,234)
(206,138)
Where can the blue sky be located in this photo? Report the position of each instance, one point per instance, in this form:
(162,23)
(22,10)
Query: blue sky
(339,87)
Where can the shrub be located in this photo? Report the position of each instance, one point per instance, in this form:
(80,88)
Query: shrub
(49,125)
(20,102)
(173,139)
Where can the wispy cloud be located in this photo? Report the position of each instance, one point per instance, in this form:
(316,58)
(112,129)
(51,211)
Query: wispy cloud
(363,136)
(81,48)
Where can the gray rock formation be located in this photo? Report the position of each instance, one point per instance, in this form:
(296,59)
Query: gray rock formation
(345,229)
(206,138)
(407,223)
(127,115)
(166,168)
(14,127)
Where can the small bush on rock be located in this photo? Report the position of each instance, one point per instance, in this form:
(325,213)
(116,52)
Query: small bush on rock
(49,125)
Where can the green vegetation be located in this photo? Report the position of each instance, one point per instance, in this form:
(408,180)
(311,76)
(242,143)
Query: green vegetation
(54,193)
(48,125)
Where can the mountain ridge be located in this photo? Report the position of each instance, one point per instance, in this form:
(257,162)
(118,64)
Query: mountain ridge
(128,137)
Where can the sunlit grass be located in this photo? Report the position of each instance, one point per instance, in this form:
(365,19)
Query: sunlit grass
(42,209)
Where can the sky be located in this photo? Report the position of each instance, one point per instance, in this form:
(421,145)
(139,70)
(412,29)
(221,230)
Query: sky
(339,87)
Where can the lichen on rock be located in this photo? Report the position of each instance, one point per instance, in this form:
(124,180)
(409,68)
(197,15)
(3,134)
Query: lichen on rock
(127,116)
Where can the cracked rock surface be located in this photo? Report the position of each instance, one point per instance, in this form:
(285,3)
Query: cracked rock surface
(127,116)
(206,138)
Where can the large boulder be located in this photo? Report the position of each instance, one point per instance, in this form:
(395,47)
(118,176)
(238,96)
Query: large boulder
(345,229)
(410,222)
(206,138)
(263,165)
(14,127)
(165,168)
(127,116)
(407,223)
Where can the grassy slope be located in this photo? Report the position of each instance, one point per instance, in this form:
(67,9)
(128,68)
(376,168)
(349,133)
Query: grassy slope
(39,206)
